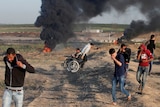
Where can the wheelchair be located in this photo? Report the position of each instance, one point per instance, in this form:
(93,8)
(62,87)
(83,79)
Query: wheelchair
(72,64)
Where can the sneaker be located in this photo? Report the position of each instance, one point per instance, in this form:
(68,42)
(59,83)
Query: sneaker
(125,86)
(140,89)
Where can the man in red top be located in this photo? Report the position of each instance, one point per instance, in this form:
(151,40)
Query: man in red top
(144,56)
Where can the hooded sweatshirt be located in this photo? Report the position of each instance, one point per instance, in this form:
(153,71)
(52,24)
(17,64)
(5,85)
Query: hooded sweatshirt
(146,55)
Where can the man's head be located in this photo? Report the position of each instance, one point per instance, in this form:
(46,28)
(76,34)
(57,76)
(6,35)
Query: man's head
(123,47)
(10,54)
(112,51)
(78,50)
(152,37)
(91,44)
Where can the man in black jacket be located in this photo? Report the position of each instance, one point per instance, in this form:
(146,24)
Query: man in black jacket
(15,70)
(151,46)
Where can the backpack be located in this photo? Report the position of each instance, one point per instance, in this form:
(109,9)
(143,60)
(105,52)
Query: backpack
(128,51)
(127,55)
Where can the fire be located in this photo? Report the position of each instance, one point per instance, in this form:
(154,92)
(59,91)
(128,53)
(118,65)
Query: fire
(46,49)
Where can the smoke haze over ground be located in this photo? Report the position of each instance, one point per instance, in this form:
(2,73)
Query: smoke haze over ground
(57,16)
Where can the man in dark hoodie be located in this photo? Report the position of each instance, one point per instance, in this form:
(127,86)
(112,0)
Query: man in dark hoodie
(144,56)
(15,70)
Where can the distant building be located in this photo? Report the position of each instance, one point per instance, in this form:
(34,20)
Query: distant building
(93,30)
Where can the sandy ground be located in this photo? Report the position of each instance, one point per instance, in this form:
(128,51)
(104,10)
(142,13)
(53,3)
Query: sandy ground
(53,86)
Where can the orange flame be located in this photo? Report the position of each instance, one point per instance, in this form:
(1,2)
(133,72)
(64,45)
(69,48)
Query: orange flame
(46,49)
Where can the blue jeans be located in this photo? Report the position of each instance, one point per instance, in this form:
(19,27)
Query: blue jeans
(115,80)
(141,75)
(127,67)
(150,66)
(16,96)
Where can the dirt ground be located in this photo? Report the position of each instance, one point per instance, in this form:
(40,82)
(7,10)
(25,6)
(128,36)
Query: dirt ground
(53,86)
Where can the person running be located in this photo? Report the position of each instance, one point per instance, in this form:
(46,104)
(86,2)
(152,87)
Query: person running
(119,74)
(144,56)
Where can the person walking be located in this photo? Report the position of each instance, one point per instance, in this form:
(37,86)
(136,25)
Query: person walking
(15,70)
(119,74)
(151,46)
(126,52)
(144,56)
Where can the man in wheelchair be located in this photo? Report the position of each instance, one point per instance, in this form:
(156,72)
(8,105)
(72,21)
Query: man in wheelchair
(78,56)
(78,59)
(74,62)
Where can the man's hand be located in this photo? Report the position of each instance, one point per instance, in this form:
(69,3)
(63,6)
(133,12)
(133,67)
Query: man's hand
(20,64)
(139,54)
(113,56)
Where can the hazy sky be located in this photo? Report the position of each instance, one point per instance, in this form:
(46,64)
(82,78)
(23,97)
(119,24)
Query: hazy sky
(132,13)
(19,11)
(26,12)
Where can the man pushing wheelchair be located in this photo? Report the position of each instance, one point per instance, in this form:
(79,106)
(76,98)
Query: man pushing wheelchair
(78,59)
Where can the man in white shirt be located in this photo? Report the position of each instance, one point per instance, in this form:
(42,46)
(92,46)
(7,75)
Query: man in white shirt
(86,49)
(84,52)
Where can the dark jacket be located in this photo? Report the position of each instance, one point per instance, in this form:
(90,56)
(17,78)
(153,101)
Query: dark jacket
(127,55)
(14,75)
(151,46)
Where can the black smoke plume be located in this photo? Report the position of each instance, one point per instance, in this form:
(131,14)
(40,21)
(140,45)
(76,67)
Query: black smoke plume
(58,16)
(140,27)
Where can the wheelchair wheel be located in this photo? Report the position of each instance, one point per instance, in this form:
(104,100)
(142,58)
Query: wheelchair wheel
(73,66)
(65,63)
